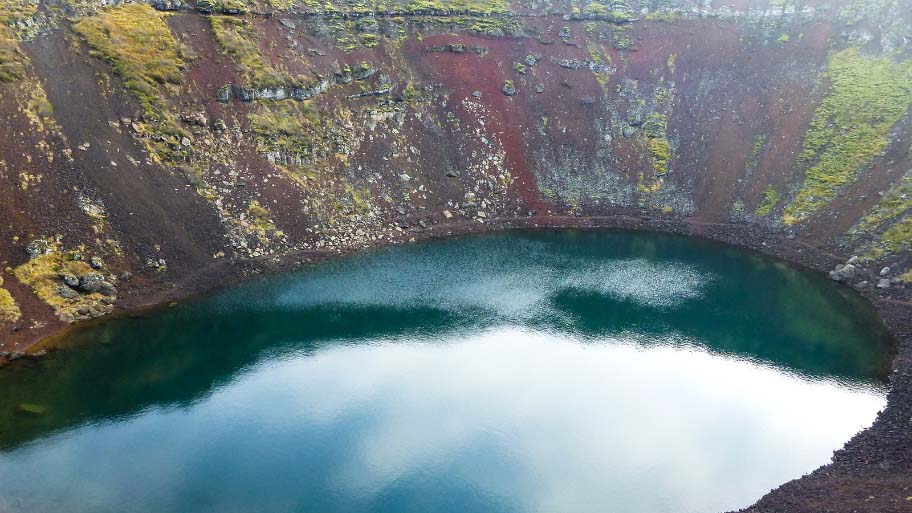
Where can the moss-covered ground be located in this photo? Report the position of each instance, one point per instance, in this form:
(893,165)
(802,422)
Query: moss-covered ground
(9,311)
(137,43)
(850,128)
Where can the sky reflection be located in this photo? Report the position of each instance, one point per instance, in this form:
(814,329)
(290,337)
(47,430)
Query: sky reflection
(500,420)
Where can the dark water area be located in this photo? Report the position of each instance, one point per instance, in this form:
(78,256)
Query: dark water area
(516,372)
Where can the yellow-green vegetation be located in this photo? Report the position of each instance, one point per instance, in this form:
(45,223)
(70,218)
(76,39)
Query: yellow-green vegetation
(258,220)
(783,38)
(473,7)
(43,273)
(288,126)
(866,97)
(226,6)
(14,11)
(596,55)
(667,16)
(661,153)
(770,199)
(11,58)
(136,41)
(672,58)
(895,202)
(9,311)
(238,38)
(898,236)
(906,276)
(659,149)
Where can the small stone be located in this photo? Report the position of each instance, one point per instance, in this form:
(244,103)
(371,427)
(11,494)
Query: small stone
(447,214)
(67,292)
(37,247)
(107,289)
(70,281)
(31,409)
(185,141)
(885,271)
(883,283)
(96,263)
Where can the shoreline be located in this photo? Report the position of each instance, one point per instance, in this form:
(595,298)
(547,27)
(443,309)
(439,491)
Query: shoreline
(873,470)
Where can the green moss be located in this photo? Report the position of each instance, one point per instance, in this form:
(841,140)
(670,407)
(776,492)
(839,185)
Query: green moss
(895,202)
(866,97)
(899,236)
(9,310)
(662,15)
(238,38)
(654,125)
(672,58)
(661,154)
(136,41)
(783,38)
(288,126)
(759,142)
(11,58)
(597,9)
(769,202)
(906,276)
(473,7)
(258,219)
(42,274)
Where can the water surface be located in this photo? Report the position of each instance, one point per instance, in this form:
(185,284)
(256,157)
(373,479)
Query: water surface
(519,372)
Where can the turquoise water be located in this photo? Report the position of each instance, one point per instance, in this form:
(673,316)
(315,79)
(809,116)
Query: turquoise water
(518,372)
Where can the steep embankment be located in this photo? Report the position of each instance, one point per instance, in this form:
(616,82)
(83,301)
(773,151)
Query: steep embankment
(147,151)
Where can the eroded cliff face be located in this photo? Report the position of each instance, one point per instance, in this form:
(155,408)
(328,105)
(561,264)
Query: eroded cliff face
(143,145)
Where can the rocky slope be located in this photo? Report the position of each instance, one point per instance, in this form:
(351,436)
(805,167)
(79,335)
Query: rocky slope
(152,150)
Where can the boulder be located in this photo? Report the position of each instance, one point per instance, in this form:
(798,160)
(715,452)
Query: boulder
(843,273)
(69,280)
(90,283)
(67,292)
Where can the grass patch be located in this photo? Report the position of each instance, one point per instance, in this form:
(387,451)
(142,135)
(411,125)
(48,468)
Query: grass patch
(11,58)
(137,43)
(898,237)
(896,201)
(288,126)
(42,274)
(238,38)
(259,218)
(9,310)
(866,97)
(769,202)
(906,276)
(661,154)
